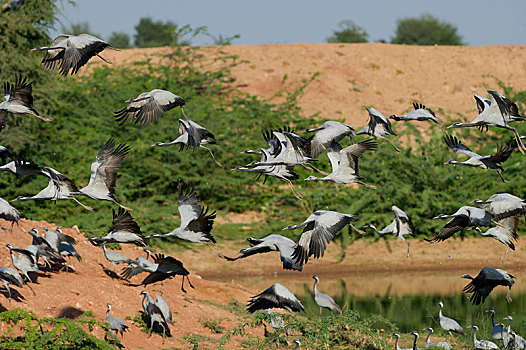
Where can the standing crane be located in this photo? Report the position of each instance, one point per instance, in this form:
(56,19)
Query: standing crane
(25,261)
(481,344)
(9,213)
(448,324)
(323,300)
(116,324)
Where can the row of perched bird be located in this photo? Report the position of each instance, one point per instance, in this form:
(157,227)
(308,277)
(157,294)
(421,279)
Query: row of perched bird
(285,151)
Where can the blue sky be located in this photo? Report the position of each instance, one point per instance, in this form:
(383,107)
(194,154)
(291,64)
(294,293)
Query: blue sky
(479,22)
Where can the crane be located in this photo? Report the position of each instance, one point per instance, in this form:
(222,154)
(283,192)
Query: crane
(116,324)
(126,230)
(68,52)
(344,163)
(9,213)
(448,324)
(18,100)
(475,160)
(435,345)
(464,217)
(327,133)
(481,344)
(498,113)
(196,223)
(323,300)
(379,126)
(487,279)
(192,135)
(400,227)
(167,267)
(420,113)
(276,296)
(148,107)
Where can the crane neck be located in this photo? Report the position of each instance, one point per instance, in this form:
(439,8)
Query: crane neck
(396,344)
(493,318)
(315,287)
(474,336)
(440,312)
(428,336)
(108,312)
(414,342)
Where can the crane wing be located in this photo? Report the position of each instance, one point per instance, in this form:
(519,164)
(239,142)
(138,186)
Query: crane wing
(350,155)
(123,221)
(188,204)
(450,228)
(455,145)
(105,168)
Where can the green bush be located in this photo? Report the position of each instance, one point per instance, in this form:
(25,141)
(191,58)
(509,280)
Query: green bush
(425,30)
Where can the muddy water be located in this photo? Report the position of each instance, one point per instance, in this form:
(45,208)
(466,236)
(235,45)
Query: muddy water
(408,299)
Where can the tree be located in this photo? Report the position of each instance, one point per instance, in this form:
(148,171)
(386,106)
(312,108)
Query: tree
(77,29)
(119,40)
(425,30)
(150,33)
(349,32)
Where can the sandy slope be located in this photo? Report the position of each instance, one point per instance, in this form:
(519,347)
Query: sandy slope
(354,76)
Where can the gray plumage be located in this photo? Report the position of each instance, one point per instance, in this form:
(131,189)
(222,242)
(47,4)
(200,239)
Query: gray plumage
(448,324)
(503,205)
(114,257)
(464,217)
(286,148)
(24,261)
(41,248)
(435,345)
(400,227)
(344,163)
(271,243)
(139,265)
(487,279)
(9,276)
(505,232)
(68,53)
(498,330)
(153,310)
(274,320)
(327,133)
(104,171)
(67,250)
(126,230)
(319,230)
(498,112)
(9,213)
(18,100)
(167,267)
(192,135)
(148,107)
(56,238)
(276,296)
(323,300)
(116,324)
(481,344)
(397,347)
(420,113)
(476,160)
(196,223)
(379,126)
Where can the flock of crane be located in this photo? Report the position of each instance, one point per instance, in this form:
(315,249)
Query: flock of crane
(285,150)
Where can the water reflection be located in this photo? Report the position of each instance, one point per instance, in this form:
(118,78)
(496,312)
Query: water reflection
(408,299)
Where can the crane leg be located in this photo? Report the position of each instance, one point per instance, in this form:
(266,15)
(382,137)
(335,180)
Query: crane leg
(296,193)
(316,169)
(357,229)
(164,332)
(502,178)
(320,310)
(517,139)
(392,144)
(184,114)
(43,118)
(31,289)
(214,158)
(82,205)
(102,58)
(508,296)
(366,185)
(407,248)
(504,257)
(182,285)
(123,207)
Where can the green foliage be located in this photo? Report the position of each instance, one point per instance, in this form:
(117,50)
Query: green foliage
(224,40)
(348,32)
(213,325)
(150,33)
(425,30)
(119,40)
(24,330)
